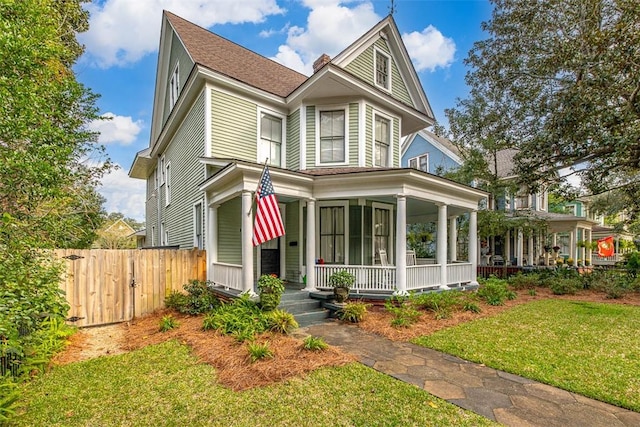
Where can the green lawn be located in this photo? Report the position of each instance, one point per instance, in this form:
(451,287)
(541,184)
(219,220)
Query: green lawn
(588,348)
(164,385)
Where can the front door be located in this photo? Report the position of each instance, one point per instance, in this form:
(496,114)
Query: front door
(270,257)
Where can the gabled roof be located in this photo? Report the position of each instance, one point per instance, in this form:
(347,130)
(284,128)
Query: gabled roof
(440,142)
(232,60)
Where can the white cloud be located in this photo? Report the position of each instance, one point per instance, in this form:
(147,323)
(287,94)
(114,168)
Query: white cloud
(123,31)
(429,49)
(331,27)
(124,194)
(116,129)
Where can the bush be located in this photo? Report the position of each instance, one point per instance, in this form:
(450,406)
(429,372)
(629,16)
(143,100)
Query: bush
(353,312)
(404,313)
(524,281)
(199,298)
(259,351)
(167,323)
(440,303)
(271,288)
(8,399)
(495,291)
(633,263)
(566,286)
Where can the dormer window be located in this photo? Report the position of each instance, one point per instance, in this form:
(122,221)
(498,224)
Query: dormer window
(382,70)
(174,86)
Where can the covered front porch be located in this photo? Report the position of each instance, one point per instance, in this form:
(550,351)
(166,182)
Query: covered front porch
(354,220)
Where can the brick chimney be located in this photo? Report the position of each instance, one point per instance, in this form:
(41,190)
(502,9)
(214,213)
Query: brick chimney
(320,62)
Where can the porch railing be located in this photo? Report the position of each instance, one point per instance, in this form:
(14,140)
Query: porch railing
(368,277)
(227,275)
(605,260)
(460,272)
(423,276)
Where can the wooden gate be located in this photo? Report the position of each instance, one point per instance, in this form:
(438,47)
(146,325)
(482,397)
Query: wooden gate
(106,286)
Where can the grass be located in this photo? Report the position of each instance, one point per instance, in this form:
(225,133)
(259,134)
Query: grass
(165,385)
(589,348)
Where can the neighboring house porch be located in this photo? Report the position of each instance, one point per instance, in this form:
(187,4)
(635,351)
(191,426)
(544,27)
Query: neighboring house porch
(346,218)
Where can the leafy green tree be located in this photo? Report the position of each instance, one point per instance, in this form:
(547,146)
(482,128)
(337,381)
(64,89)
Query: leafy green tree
(558,79)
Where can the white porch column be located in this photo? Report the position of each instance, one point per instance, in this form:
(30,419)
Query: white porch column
(507,248)
(530,250)
(310,258)
(247,244)
(574,245)
(441,249)
(453,239)
(589,251)
(212,240)
(401,245)
(473,246)
(520,248)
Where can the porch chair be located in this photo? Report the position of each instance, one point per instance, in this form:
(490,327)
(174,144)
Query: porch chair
(384,262)
(411,257)
(383,257)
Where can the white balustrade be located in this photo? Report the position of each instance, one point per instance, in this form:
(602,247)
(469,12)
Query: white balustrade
(423,276)
(227,275)
(459,272)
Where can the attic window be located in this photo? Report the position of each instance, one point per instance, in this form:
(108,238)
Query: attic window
(174,86)
(382,65)
(421,162)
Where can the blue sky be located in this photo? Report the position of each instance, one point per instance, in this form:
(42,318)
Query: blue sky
(121,56)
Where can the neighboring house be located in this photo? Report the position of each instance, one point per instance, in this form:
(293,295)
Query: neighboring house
(115,235)
(428,152)
(332,141)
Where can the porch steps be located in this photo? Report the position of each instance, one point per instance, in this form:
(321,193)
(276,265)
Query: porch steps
(306,310)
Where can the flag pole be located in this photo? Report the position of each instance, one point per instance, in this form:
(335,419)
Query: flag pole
(255,194)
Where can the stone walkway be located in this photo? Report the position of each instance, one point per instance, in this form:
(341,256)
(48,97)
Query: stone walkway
(508,399)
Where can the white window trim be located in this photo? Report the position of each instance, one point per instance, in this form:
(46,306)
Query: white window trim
(417,159)
(320,109)
(195,222)
(167,187)
(283,143)
(174,89)
(328,204)
(161,168)
(153,235)
(164,234)
(391,253)
(373,137)
(377,51)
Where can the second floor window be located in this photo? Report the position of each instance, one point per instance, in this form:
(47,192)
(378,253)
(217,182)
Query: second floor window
(271,139)
(332,137)
(383,138)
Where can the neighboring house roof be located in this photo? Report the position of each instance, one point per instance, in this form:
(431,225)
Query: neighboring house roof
(120,226)
(228,58)
(441,143)
(505,160)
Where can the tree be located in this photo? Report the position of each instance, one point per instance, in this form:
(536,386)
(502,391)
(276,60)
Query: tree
(47,181)
(558,80)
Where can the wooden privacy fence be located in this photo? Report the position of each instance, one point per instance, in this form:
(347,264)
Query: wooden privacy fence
(98,282)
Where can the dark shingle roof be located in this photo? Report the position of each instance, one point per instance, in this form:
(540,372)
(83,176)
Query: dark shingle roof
(228,58)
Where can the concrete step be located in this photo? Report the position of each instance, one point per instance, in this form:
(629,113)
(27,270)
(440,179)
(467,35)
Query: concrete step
(311,318)
(300,306)
(294,295)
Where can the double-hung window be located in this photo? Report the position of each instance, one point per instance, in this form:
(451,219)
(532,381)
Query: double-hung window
(381,229)
(332,136)
(382,141)
(271,139)
(332,234)
(382,67)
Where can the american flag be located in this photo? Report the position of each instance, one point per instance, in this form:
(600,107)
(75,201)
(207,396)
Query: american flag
(268,222)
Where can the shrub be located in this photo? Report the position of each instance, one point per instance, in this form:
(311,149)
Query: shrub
(471,306)
(271,288)
(281,321)
(199,298)
(342,278)
(404,313)
(259,351)
(312,343)
(566,286)
(495,291)
(633,263)
(8,399)
(167,323)
(524,281)
(241,315)
(353,312)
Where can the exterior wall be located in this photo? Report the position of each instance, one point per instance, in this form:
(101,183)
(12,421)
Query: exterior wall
(177,54)
(292,234)
(368,136)
(354,117)
(151,212)
(293,140)
(229,232)
(396,143)
(228,140)
(437,159)
(186,173)
(362,67)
